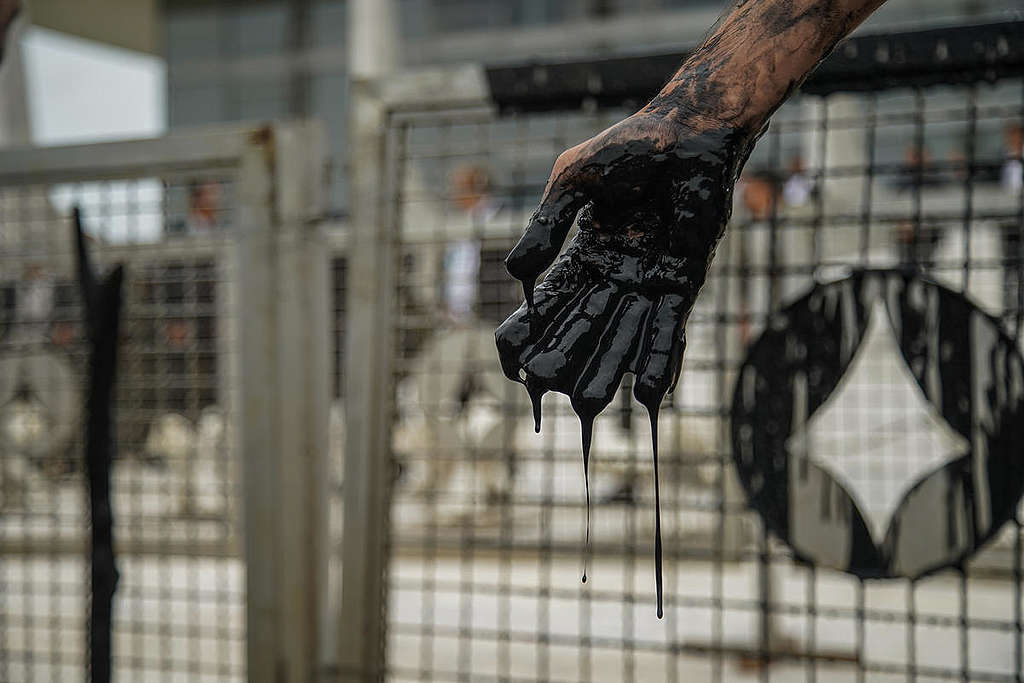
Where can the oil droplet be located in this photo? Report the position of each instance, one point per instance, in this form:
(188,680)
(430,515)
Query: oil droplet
(589,327)
(536,393)
(653,412)
(587,423)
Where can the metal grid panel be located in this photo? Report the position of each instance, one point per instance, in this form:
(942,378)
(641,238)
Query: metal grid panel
(487,517)
(180,605)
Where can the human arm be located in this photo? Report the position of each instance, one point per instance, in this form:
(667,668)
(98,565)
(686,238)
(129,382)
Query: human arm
(653,194)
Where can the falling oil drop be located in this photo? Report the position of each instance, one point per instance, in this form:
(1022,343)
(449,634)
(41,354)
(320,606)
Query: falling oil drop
(653,412)
(587,423)
(591,283)
(536,394)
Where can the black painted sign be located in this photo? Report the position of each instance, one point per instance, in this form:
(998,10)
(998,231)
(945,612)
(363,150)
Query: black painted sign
(967,371)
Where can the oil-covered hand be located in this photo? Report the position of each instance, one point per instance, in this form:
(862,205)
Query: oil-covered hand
(650,197)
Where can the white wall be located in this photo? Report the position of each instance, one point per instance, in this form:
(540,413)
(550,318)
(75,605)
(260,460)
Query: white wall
(83,91)
(80,91)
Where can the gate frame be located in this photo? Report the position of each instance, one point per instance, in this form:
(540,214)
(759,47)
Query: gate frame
(923,57)
(369,345)
(277,338)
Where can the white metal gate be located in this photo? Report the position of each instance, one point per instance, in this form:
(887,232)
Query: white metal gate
(221,397)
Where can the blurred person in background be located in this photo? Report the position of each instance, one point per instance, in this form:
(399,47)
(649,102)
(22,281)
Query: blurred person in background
(761,190)
(471,195)
(178,338)
(202,214)
(34,304)
(1011,177)
(798,188)
(916,169)
(203,206)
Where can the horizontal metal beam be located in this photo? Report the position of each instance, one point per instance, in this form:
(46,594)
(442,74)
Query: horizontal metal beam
(133,24)
(208,148)
(50,547)
(962,54)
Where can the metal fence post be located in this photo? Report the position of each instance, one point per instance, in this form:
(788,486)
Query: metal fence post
(284,401)
(369,352)
(368,390)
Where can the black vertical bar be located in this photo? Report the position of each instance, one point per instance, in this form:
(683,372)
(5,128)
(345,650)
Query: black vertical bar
(819,196)
(812,627)
(764,592)
(102,314)
(965,665)
(775,270)
(547,505)
(911,631)
(818,224)
(972,131)
(1019,273)
(775,293)
(1018,574)
(972,125)
(918,170)
(1018,659)
(869,177)
(299,21)
(721,320)
(431,535)
(506,451)
(859,643)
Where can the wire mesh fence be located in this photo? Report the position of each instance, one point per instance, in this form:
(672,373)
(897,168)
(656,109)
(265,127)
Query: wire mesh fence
(180,607)
(487,517)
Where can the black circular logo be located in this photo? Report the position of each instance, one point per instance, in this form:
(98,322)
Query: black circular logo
(819,482)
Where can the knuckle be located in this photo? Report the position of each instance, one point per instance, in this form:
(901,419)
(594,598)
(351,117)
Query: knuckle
(563,162)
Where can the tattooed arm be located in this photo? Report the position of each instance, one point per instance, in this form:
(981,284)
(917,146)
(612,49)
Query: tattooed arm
(756,55)
(652,195)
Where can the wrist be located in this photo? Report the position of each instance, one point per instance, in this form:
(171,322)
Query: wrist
(703,98)
(677,109)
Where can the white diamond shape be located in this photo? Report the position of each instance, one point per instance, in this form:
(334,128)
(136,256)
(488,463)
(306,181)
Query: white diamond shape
(877,434)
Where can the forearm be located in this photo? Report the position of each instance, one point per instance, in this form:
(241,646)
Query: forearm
(756,55)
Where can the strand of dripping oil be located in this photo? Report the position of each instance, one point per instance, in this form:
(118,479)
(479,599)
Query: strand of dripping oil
(648,396)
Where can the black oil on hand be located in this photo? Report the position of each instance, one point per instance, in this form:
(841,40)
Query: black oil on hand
(649,218)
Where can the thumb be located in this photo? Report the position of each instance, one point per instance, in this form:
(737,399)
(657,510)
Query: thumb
(544,235)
